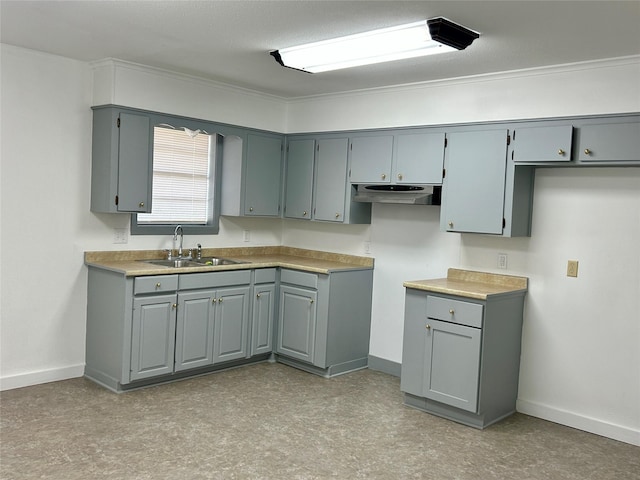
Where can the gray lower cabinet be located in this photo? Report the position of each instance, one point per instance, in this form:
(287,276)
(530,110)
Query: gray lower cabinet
(144,329)
(324,320)
(263,308)
(461,356)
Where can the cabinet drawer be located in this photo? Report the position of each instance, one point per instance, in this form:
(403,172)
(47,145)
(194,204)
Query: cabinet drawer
(295,277)
(455,311)
(265,275)
(214,279)
(154,284)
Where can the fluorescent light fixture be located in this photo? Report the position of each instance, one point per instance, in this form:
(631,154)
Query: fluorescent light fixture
(377,46)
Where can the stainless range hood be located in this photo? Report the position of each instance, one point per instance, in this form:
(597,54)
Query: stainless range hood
(402,194)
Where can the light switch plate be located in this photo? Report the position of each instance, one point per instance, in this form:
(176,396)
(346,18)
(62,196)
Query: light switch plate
(572,268)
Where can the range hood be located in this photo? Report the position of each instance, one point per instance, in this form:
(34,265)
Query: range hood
(403,194)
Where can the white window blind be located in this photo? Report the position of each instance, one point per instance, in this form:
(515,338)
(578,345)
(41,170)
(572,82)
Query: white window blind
(181,177)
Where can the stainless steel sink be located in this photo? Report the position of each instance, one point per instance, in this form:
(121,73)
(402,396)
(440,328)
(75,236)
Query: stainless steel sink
(175,263)
(194,262)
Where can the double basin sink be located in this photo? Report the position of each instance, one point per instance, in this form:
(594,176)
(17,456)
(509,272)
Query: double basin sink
(193,262)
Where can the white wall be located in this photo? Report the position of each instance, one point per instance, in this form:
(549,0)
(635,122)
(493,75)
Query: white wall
(575,370)
(581,340)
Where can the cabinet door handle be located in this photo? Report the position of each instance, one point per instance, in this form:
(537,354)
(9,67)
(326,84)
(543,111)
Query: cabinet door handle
(258,295)
(428,327)
(141,204)
(452,311)
(311,301)
(214,300)
(219,300)
(383,176)
(450,224)
(561,152)
(251,209)
(337,215)
(304,214)
(587,151)
(174,306)
(399,176)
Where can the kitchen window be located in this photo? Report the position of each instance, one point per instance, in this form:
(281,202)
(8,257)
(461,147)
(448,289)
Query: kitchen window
(184,182)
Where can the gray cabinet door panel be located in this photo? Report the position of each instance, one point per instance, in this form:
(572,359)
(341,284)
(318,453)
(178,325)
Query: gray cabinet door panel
(452,369)
(135,166)
(542,144)
(474,184)
(153,336)
(263,317)
(331,179)
(419,158)
(371,159)
(263,176)
(619,142)
(194,330)
(231,323)
(299,183)
(297,323)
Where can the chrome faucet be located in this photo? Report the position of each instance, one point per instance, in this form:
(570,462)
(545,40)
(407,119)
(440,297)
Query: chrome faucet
(175,237)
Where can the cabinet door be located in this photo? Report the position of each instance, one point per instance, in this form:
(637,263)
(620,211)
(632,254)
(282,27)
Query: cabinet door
(263,176)
(135,164)
(153,336)
(452,364)
(419,158)
(297,323)
(231,324)
(331,179)
(542,144)
(371,159)
(194,330)
(299,184)
(263,316)
(474,184)
(617,142)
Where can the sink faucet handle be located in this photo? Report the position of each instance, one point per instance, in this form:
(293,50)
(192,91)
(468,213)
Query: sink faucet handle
(199,252)
(169,253)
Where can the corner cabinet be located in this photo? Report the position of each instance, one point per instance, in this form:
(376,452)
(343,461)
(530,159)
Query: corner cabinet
(481,191)
(121,161)
(324,320)
(461,356)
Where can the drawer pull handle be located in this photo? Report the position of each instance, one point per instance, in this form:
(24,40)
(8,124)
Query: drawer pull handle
(428,327)
(158,285)
(452,311)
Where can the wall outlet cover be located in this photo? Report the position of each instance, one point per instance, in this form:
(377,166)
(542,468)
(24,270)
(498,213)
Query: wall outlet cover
(572,268)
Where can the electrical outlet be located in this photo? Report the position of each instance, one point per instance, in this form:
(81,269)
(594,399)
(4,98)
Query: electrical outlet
(502,260)
(572,268)
(246,235)
(120,235)
(367,247)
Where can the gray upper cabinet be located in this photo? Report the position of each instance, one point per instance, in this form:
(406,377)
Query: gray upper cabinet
(541,144)
(481,191)
(121,161)
(611,142)
(330,185)
(473,187)
(299,181)
(371,159)
(263,181)
(317,187)
(418,158)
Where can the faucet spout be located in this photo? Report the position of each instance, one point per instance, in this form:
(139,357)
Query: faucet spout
(175,237)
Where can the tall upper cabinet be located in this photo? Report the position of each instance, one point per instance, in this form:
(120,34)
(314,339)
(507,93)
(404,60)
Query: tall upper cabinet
(121,165)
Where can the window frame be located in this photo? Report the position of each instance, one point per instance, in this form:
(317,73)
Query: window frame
(213,224)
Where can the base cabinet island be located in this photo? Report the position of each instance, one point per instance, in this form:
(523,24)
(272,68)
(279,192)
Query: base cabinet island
(461,350)
(150,323)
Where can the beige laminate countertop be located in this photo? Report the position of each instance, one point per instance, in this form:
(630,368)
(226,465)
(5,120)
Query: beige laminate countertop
(470,284)
(129,262)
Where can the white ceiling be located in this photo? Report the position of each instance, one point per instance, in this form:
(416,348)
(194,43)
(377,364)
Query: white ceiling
(229,41)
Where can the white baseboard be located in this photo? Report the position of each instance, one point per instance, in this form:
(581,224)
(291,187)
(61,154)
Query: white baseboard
(581,422)
(42,376)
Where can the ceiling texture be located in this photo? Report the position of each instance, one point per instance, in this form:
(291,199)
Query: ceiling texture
(229,41)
